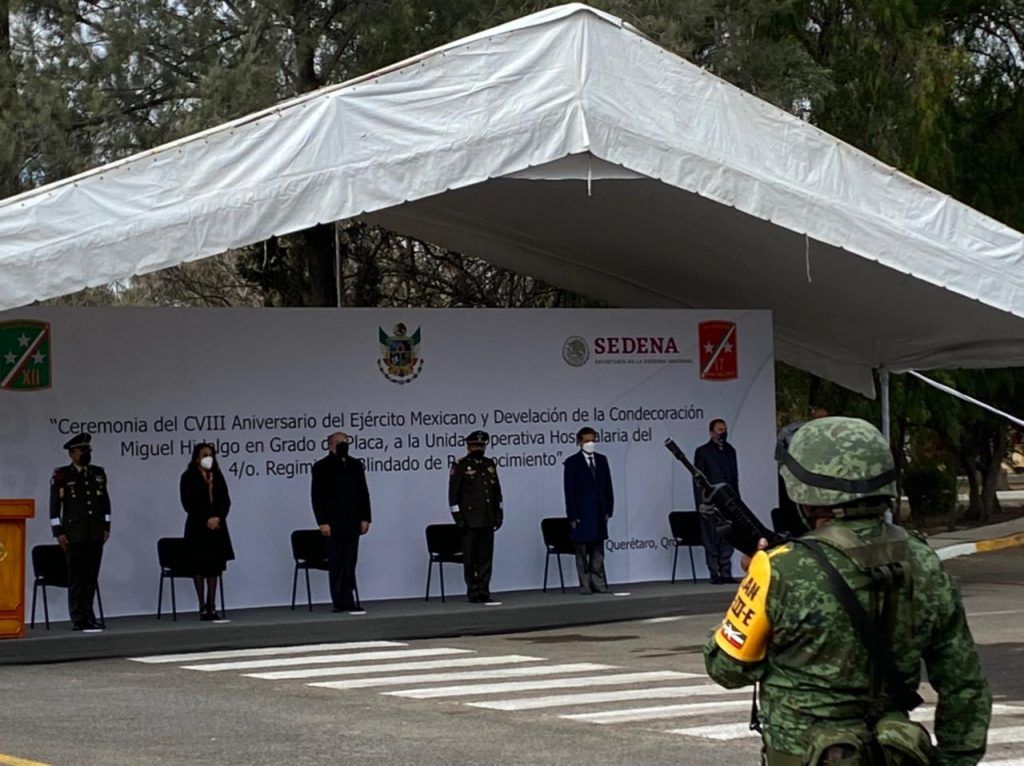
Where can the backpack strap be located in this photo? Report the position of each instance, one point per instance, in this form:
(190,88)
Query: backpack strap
(880,657)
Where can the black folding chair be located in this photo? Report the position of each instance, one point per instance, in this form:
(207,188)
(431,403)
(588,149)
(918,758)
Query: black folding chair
(173,555)
(557,533)
(444,544)
(50,569)
(685,526)
(309,549)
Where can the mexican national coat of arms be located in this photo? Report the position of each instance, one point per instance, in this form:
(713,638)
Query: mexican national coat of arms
(400,361)
(24,355)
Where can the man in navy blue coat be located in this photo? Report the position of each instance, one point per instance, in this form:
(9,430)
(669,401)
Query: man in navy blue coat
(589,503)
(717,460)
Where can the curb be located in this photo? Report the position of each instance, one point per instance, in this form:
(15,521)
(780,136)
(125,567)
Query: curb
(980,546)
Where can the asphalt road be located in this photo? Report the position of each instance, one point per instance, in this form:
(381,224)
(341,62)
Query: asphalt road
(480,700)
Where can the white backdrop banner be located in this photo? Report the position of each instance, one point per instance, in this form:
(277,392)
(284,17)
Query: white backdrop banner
(268,385)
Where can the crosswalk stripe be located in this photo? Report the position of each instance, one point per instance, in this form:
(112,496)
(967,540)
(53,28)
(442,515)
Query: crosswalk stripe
(268,652)
(1005,735)
(654,713)
(522,686)
(326,659)
(594,698)
(1006,762)
(718,731)
(469,675)
(391,667)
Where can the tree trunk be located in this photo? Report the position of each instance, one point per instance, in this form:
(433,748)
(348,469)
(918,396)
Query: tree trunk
(318,253)
(993,471)
(5,30)
(973,486)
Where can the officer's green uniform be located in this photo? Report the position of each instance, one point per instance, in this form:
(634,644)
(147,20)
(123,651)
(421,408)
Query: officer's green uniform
(474,497)
(80,509)
(787,631)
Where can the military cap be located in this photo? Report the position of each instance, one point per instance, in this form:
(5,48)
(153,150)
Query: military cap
(78,440)
(478,437)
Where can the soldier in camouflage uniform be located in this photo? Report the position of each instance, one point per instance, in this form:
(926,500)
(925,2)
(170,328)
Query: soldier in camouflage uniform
(80,520)
(474,497)
(822,701)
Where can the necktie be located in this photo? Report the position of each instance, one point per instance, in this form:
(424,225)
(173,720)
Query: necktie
(590,464)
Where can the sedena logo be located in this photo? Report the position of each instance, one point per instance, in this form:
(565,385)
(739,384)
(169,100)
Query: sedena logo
(25,355)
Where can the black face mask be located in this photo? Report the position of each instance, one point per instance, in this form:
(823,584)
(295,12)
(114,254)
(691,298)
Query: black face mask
(341,450)
(476,452)
(85,458)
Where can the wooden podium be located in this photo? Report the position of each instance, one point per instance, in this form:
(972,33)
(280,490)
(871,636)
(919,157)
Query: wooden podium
(12,565)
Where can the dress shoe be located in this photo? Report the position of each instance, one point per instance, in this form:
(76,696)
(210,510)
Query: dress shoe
(207,617)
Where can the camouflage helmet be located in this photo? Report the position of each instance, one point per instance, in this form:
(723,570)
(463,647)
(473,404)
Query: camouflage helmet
(832,461)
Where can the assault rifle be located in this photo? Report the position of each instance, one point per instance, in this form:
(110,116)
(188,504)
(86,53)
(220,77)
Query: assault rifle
(734,521)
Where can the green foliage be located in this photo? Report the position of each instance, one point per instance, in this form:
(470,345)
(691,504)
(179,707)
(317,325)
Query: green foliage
(931,490)
(933,87)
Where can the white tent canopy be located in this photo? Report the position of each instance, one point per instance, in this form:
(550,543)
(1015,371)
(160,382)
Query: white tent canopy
(568,146)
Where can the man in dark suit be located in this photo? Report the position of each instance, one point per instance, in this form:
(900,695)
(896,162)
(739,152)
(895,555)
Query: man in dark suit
(80,520)
(717,460)
(341,504)
(474,498)
(589,503)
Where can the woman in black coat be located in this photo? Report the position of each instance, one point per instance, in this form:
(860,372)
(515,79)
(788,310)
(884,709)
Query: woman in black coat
(205,498)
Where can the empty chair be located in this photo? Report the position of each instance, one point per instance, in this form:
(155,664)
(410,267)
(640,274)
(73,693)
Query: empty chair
(685,526)
(556,532)
(309,549)
(175,562)
(50,569)
(444,544)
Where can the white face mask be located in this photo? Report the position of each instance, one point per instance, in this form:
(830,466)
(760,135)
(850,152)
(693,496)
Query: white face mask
(589,447)
(207,462)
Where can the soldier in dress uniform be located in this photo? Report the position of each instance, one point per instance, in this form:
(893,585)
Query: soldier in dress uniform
(80,520)
(474,496)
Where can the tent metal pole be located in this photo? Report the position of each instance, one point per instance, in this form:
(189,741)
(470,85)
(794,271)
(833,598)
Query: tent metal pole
(883,385)
(337,265)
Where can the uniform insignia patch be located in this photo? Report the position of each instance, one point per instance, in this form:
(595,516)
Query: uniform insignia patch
(731,634)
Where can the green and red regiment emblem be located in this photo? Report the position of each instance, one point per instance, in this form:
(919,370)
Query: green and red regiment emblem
(24,355)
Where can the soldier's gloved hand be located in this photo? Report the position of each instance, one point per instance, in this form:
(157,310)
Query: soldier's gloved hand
(62,541)
(459,520)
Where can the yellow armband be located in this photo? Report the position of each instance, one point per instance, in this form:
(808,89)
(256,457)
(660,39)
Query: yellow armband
(745,631)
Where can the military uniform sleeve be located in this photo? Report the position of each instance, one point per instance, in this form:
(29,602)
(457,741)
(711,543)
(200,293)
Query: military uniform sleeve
(734,654)
(104,499)
(497,495)
(964,708)
(56,501)
(454,486)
